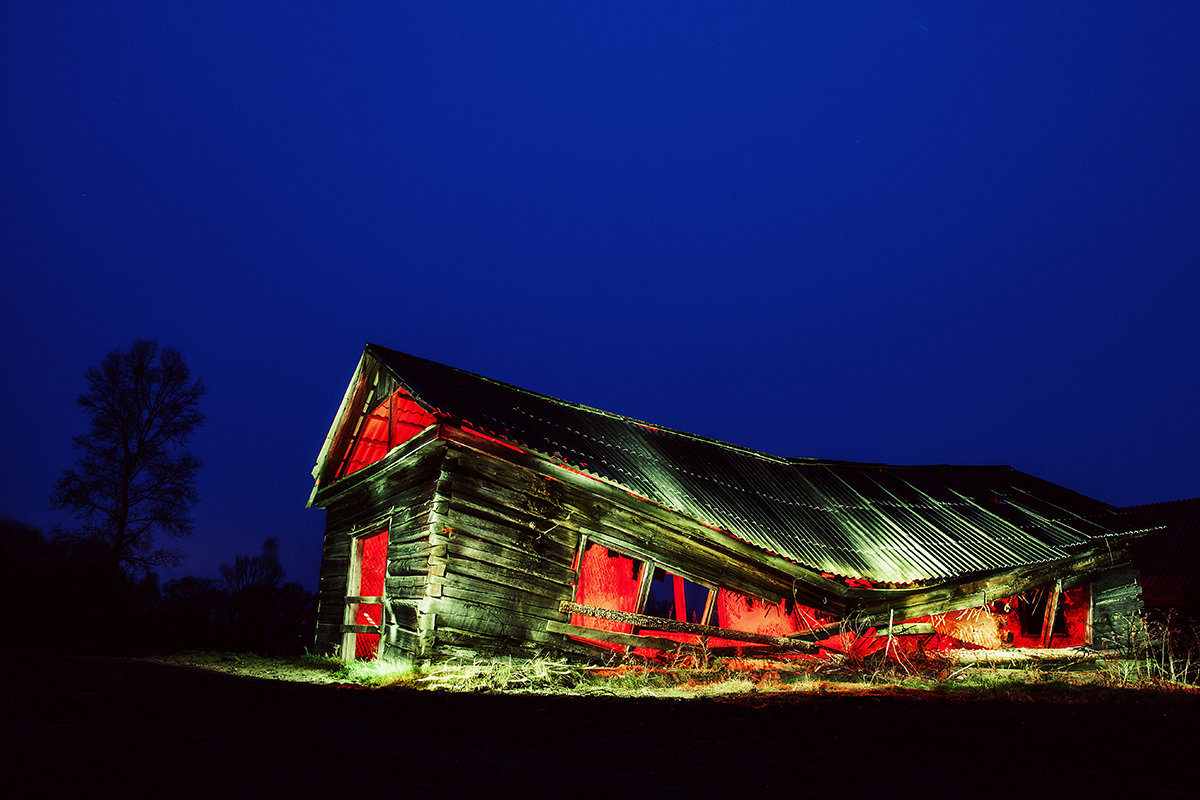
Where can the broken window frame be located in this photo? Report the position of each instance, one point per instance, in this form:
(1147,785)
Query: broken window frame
(648,566)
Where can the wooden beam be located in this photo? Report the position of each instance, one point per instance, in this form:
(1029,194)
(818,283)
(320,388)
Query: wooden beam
(983,590)
(674,626)
(1051,613)
(616,637)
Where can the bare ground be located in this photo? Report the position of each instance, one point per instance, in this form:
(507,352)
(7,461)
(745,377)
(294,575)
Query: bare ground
(86,727)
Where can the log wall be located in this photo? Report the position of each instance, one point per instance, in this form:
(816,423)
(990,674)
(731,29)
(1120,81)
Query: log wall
(399,498)
(1116,598)
(510,535)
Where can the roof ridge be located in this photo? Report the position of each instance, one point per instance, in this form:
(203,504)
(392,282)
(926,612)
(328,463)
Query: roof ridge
(788,460)
(583,407)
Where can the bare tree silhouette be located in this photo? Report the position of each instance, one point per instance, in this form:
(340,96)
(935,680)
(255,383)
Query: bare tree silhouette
(135,478)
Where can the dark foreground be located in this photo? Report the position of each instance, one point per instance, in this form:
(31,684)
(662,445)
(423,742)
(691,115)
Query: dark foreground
(76,727)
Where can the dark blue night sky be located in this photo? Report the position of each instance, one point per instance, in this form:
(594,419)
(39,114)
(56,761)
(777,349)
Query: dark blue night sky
(882,231)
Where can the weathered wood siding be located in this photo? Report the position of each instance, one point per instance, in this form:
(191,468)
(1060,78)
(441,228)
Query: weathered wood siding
(510,534)
(508,544)
(1116,598)
(397,497)
(482,538)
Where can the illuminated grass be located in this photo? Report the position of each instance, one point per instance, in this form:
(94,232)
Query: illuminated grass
(1066,681)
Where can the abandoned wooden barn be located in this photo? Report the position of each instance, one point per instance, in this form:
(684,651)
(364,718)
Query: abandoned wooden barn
(469,516)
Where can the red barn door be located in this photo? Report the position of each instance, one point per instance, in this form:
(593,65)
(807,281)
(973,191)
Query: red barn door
(364,596)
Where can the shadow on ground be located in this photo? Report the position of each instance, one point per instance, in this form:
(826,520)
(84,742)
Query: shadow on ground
(88,726)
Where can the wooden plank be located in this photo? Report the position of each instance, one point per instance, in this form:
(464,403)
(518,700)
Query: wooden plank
(471,590)
(406,458)
(527,490)
(615,637)
(361,628)
(487,621)
(401,582)
(461,562)
(368,600)
(1051,612)
(461,544)
(674,626)
(507,530)
(487,504)
(408,566)
(401,639)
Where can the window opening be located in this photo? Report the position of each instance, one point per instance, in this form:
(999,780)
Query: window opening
(675,597)
(607,579)
(1031,610)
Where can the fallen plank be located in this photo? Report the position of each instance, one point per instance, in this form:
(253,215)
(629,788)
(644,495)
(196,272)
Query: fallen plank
(615,637)
(675,626)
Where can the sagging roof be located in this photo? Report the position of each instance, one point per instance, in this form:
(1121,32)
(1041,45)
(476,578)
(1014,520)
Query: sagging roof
(888,524)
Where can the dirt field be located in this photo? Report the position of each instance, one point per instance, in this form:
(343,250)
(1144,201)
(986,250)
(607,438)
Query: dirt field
(78,727)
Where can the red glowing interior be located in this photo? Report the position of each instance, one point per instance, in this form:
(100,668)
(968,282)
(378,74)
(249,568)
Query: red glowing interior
(397,419)
(607,579)
(373,567)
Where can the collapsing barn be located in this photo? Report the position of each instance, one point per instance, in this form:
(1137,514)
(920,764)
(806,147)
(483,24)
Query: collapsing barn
(469,516)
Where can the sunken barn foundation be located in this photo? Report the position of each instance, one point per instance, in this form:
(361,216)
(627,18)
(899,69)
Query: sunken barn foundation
(470,517)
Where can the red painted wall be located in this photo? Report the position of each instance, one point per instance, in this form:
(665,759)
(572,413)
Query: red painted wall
(370,584)
(397,419)
(606,580)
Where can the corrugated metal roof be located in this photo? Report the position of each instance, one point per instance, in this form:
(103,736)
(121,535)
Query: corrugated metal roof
(886,523)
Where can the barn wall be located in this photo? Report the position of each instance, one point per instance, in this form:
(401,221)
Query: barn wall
(482,546)
(507,538)
(510,534)
(1116,598)
(397,497)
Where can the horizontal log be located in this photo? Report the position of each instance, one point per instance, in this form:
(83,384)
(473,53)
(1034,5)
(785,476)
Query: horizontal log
(361,628)
(615,637)
(368,600)
(675,626)
(509,626)
(408,566)
(414,456)
(488,506)
(401,639)
(401,582)
(462,563)
(462,586)
(452,642)
(512,535)
(462,544)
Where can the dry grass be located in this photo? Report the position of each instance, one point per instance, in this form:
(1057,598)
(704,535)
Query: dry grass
(1161,655)
(1063,679)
